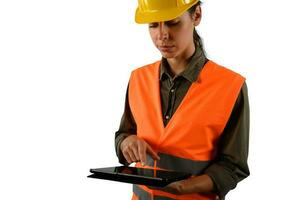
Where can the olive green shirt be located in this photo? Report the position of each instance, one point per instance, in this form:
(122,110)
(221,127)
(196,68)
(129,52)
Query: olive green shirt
(230,164)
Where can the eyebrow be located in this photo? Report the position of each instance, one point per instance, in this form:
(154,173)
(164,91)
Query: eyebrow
(176,19)
(169,21)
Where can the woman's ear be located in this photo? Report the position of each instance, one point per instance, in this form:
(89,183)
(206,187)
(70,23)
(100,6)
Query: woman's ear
(197,16)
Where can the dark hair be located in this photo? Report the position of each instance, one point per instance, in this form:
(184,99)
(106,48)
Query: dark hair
(196,37)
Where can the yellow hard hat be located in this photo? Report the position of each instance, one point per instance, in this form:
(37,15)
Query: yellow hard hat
(149,11)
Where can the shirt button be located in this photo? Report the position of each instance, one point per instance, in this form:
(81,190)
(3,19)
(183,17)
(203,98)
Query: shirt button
(167,117)
(172,90)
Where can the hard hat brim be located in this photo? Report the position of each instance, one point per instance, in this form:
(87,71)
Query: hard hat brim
(160,15)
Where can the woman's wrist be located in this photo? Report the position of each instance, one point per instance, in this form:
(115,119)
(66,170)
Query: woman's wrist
(197,184)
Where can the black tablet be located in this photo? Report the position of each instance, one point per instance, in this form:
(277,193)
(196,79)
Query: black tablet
(142,176)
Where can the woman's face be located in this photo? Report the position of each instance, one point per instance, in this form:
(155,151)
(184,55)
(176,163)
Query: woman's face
(174,38)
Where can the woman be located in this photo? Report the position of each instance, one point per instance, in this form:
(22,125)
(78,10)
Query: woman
(184,112)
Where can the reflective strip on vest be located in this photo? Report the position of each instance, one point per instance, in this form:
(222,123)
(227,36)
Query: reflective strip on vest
(171,162)
(143,195)
(140,193)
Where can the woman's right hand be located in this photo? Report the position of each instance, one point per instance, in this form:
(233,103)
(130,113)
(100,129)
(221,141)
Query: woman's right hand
(134,149)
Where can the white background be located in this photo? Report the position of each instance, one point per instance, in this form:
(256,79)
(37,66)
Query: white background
(64,67)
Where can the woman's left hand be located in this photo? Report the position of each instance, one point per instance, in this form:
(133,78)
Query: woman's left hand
(174,188)
(197,184)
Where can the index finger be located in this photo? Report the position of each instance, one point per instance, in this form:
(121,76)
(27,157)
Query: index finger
(142,152)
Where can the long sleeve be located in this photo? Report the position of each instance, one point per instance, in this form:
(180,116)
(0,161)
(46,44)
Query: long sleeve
(230,165)
(127,127)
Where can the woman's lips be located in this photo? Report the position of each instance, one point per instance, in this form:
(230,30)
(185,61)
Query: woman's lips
(165,48)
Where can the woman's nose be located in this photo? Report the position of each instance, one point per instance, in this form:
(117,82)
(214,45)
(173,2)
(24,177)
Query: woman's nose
(163,31)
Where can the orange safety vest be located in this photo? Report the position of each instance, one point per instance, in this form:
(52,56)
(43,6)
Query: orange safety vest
(188,141)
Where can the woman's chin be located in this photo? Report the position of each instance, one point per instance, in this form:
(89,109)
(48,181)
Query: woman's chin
(168,54)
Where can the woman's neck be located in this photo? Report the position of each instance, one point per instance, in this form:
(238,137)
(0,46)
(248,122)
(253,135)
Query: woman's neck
(179,63)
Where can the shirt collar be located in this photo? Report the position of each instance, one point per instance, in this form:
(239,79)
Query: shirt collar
(191,73)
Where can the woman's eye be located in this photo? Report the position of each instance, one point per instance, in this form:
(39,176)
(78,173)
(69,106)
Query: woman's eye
(172,23)
(153,25)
